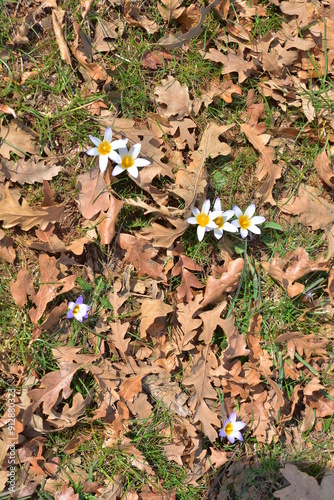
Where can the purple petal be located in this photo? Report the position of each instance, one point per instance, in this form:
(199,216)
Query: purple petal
(79,300)
(69,315)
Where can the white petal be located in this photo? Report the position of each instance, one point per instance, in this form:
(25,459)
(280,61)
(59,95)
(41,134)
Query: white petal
(117,170)
(192,220)
(218,206)
(244,233)
(257,220)
(237,435)
(254,229)
(250,211)
(84,308)
(133,171)
(237,426)
(218,234)
(108,134)
(115,157)
(233,417)
(200,232)
(71,305)
(95,140)
(195,211)
(228,214)
(140,162)
(135,150)
(206,207)
(103,163)
(211,225)
(123,152)
(215,214)
(230,228)
(92,152)
(237,210)
(120,143)
(78,316)
(235,223)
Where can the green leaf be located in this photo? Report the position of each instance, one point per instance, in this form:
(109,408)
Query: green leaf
(239,247)
(272,225)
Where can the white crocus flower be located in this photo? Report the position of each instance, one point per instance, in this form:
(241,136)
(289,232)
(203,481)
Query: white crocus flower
(106,149)
(222,219)
(129,161)
(78,310)
(232,428)
(246,221)
(204,219)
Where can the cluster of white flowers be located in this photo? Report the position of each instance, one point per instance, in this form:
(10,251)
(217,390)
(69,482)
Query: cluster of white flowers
(125,159)
(217,220)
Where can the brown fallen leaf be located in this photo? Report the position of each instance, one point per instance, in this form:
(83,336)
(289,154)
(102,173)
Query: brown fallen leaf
(6,109)
(107,29)
(170,10)
(151,310)
(85,7)
(324,168)
(17,138)
(177,40)
(13,214)
(57,22)
(95,70)
(66,493)
(259,413)
(293,266)
(306,345)
(233,63)
(7,251)
(173,98)
(154,59)
(183,133)
(22,288)
(214,90)
(135,18)
(330,287)
(30,171)
(189,18)
(183,268)
(161,236)
(93,196)
(266,168)
(302,485)
(106,228)
(311,209)
(215,288)
(186,324)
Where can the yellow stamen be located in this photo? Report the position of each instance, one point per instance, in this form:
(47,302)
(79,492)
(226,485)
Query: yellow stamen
(202,219)
(229,428)
(76,309)
(104,148)
(220,221)
(244,221)
(127,161)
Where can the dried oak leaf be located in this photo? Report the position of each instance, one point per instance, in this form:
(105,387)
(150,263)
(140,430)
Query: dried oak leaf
(236,342)
(135,18)
(95,70)
(324,168)
(266,168)
(30,171)
(152,310)
(106,228)
(302,485)
(330,287)
(140,253)
(171,9)
(13,214)
(7,251)
(214,90)
(189,18)
(310,208)
(155,59)
(161,236)
(200,379)
(183,268)
(93,196)
(188,324)
(304,344)
(323,405)
(172,98)
(22,288)
(107,29)
(216,287)
(18,139)
(233,63)
(293,266)
(261,413)
(180,130)
(57,23)
(66,493)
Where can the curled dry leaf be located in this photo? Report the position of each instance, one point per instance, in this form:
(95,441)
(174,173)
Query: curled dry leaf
(173,98)
(151,311)
(154,59)
(324,168)
(306,345)
(216,287)
(7,251)
(14,214)
(93,196)
(293,266)
(30,171)
(311,209)
(106,228)
(183,268)
(161,236)
(135,18)
(260,412)
(171,9)
(6,109)
(95,71)
(57,21)
(301,484)
(17,138)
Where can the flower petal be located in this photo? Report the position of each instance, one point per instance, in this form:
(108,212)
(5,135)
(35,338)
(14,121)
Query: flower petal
(192,220)
(120,143)
(206,207)
(233,417)
(103,163)
(215,214)
(237,426)
(237,210)
(95,140)
(117,170)
(69,315)
(244,233)
(218,233)
(71,305)
(222,433)
(78,317)
(141,162)
(230,438)
(235,222)
(200,232)
(123,152)
(228,214)
(195,211)
(230,228)
(236,435)
(211,225)
(217,205)
(115,157)
(108,134)
(254,229)
(133,171)
(79,300)
(92,152)
(250,210)
(135,150)
(258,219)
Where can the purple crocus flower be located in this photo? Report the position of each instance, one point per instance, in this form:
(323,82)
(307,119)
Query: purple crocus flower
(78,309)
(232,428)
